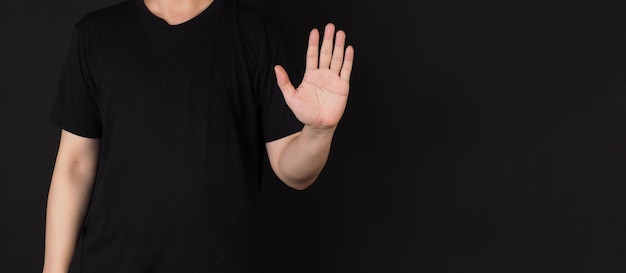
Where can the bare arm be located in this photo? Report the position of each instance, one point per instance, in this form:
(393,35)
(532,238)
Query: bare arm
(298,159)
(70,191)
(319,103)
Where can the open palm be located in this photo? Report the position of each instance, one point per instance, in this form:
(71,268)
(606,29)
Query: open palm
(321,98)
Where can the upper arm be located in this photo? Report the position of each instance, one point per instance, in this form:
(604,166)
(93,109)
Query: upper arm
(77,154)
(275,149)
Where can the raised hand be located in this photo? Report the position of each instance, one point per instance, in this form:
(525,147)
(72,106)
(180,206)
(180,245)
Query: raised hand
(321,98)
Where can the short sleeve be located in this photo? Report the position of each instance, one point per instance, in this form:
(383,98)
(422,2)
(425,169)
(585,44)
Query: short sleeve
(75,108)
(278,119)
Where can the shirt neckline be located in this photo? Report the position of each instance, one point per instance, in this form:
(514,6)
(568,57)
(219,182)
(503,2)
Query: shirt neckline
(149,16)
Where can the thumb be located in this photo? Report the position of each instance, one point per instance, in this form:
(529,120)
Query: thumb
(283,81)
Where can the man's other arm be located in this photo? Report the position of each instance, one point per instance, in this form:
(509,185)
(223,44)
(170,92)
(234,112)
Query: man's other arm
(70,190)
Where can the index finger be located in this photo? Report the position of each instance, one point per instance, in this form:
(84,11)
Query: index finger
(312,49)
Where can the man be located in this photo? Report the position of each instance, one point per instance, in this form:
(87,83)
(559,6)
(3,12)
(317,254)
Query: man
(168,108)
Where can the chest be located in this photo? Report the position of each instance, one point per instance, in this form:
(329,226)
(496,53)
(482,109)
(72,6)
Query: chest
(143,73)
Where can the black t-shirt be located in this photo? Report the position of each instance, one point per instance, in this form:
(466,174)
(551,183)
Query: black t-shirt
(183,113)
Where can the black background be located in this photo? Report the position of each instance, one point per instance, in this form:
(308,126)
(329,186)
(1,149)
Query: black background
(479,137)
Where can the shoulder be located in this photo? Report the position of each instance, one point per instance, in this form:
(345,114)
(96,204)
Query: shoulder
(257,22)
(105,16)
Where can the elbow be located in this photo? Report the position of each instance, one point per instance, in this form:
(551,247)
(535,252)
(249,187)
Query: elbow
(299,184)
(300,187)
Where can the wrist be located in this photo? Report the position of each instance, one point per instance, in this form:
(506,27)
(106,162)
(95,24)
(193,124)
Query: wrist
(49,267)
(318,131)
(45,270)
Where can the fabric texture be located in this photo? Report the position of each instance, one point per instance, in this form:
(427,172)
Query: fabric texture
(183,113)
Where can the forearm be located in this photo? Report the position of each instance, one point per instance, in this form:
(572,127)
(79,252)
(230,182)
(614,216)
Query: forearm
(304,157)
(68,198)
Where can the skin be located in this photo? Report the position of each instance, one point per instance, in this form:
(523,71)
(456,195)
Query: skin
(318,102)
(68,197)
